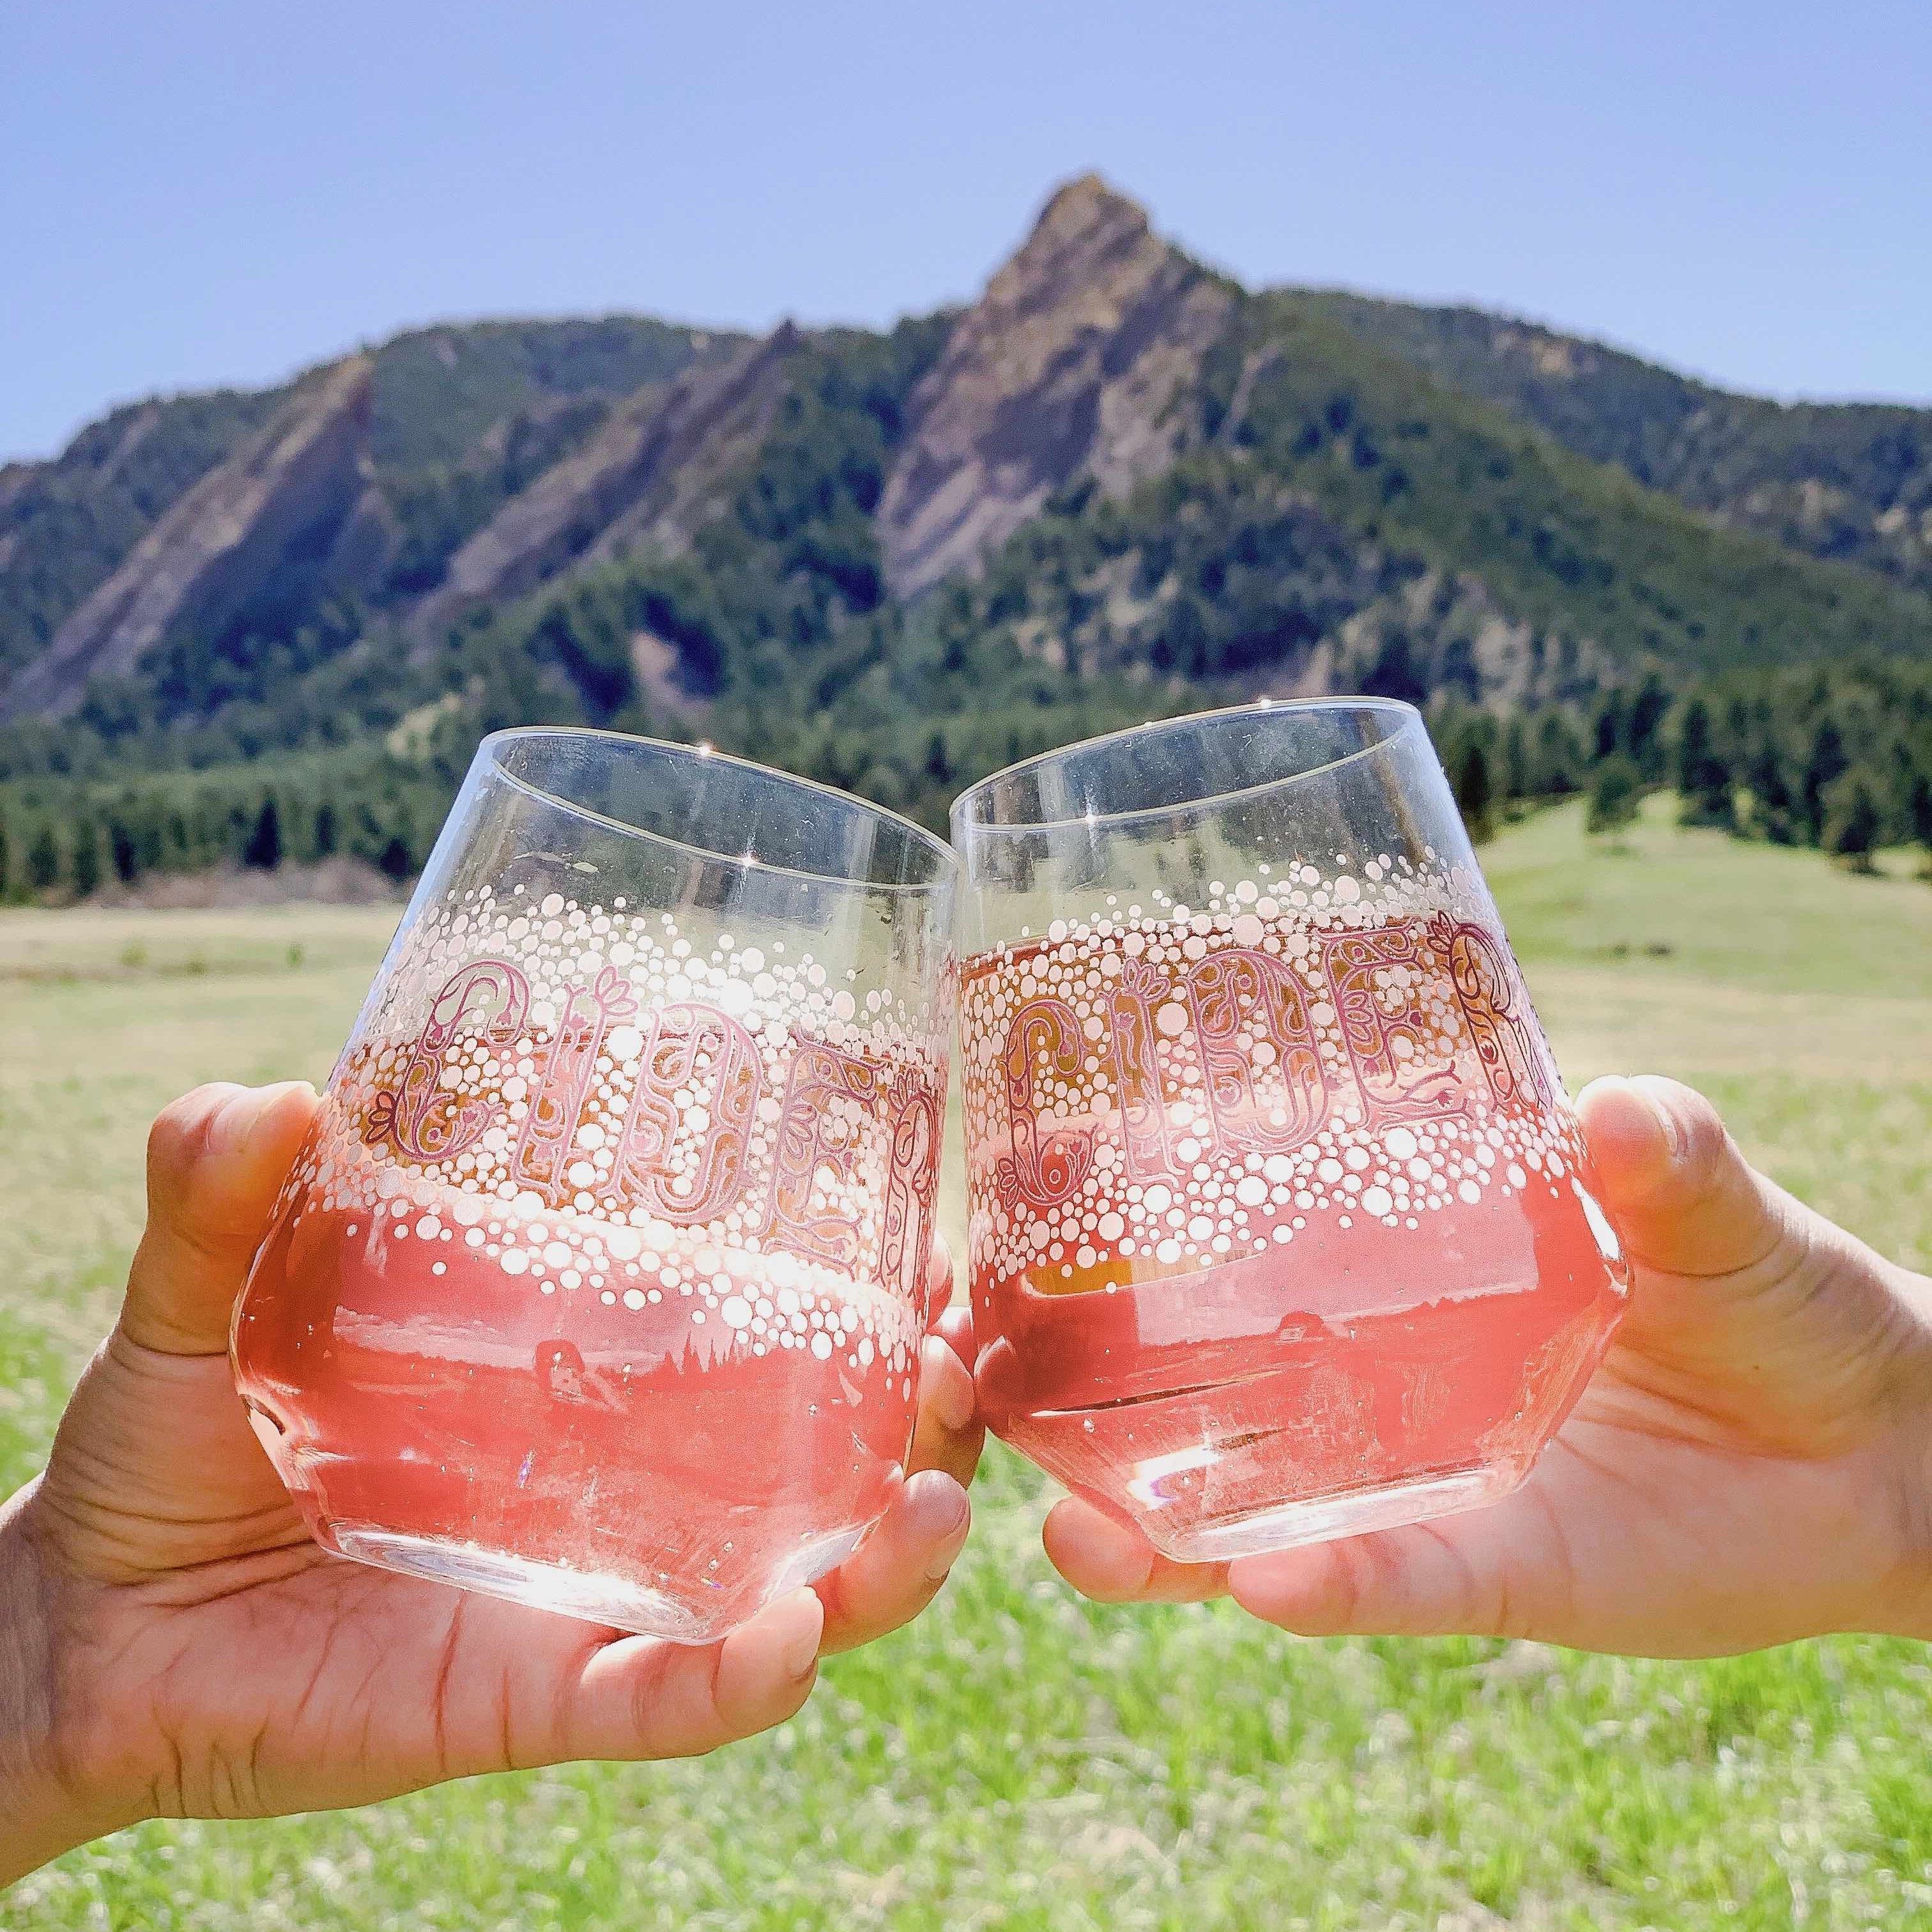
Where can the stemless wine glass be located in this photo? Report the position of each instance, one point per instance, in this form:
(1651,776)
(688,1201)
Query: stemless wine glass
(600,1282)
(1281,1226)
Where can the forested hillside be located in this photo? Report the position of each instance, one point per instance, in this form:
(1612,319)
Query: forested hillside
(463,418)
(237,628)
(1849,481)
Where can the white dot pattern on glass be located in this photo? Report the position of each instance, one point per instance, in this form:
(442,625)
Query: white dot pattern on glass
(1162,1086)
(578,1098)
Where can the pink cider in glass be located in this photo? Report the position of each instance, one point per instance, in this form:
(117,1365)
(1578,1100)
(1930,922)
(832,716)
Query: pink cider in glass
(1281,1227)
(603,1287)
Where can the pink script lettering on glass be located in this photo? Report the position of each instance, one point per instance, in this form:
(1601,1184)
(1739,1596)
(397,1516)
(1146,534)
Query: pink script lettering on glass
(417,1116)
(1043,1173)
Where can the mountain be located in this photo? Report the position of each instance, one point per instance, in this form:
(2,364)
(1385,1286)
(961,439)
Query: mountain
(1117,483)
(65,525)
(1338,518)
(1070,363)
(456,420)
(643,482)
(283,508)
(1848,481)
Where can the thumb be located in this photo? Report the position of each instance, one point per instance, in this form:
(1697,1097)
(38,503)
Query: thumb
(1748,1307)
(216,1159)
(1684,1199)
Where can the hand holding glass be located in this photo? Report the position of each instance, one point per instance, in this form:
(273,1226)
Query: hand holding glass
(1281,1226)
(600,1283)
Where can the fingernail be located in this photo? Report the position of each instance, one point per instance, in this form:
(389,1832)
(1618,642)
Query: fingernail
(952,1400)
(1673,1140)
(801,1653)
(239,1119)
(950,1522)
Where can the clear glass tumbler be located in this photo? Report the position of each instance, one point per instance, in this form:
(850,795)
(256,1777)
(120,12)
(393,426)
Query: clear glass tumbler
(1281,1227)
(600,1283)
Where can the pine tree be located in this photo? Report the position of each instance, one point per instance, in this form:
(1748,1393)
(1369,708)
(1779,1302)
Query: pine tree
(43,859)
(88,868)
(1474,793)
(1918,814)
(1643,731)
(1774,809)
(1852,820)
(1559,759)
(1703,777)
(1827,763)
(1518,780)
(1616,789)
(121,850)
(263,850)
(1609,725)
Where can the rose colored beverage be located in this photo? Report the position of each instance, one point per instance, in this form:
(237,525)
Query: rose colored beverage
(601,1282)
(689,1426)
(1276,1233)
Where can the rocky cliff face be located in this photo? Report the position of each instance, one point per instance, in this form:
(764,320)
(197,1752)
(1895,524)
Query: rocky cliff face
(642,485)
(16,479)
(1069,362)
(288,492)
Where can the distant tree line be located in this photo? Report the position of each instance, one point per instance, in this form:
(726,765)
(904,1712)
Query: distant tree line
(1840,760)
(62,840)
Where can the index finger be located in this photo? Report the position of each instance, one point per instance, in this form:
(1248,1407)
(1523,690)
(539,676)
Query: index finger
(938,1284)
(1113,1563)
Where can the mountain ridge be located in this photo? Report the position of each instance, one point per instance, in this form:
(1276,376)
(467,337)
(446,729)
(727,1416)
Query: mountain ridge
(67,523)
(1115,483)
(621,490)
(1847,481)
(1066,363)
(294,483)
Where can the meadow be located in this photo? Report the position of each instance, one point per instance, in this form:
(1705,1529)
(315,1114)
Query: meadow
(1020,1759)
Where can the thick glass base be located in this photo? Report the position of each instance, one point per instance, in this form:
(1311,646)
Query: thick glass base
(1311,1430)
(634,1463)
(615,1601)
(1320,1520)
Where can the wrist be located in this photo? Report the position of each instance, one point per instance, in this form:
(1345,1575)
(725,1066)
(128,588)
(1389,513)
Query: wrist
(44,1811)
(1904,1605)
(1904,1608)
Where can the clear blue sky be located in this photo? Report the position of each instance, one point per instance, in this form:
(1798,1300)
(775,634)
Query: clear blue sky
(199,191)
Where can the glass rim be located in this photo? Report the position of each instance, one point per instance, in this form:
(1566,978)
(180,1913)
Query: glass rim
(1409,715)
(945,861)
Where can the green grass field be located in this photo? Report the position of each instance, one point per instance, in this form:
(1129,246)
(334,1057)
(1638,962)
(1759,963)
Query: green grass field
(1017,1759)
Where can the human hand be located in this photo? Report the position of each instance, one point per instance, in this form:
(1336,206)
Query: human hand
(172,1644)
(1749,1465)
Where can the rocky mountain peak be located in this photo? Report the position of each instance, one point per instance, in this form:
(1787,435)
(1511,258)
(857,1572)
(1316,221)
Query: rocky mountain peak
(1067,364)
(1078,207)
(14,478)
